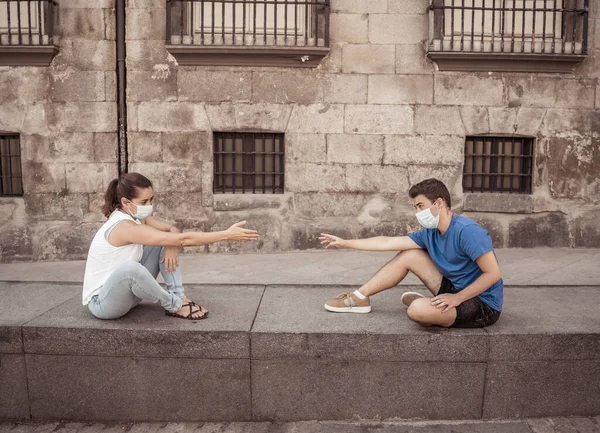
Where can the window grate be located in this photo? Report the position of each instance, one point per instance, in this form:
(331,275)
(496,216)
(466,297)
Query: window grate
(248,163)
(11,179)
(27,22)
(498,164)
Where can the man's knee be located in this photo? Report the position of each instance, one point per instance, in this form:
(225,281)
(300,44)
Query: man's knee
(420,310)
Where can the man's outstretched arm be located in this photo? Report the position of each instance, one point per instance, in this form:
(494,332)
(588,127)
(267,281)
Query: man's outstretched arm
(378,243)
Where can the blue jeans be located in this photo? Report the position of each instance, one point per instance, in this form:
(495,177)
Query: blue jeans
(133,282)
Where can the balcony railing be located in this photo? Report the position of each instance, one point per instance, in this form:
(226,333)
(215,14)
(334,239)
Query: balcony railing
(551,33)
(248,31)
(27,32)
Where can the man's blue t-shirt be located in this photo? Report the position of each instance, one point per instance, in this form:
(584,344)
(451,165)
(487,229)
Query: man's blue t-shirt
(455,252)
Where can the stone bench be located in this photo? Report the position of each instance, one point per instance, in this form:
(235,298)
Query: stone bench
(274,353)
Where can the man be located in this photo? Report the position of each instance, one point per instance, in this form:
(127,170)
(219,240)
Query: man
(453,256)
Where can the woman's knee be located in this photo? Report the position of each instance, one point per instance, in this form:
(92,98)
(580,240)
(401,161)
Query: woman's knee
(131,267)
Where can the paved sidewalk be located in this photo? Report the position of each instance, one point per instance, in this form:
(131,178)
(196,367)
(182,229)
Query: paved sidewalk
(520,267)
(546,425)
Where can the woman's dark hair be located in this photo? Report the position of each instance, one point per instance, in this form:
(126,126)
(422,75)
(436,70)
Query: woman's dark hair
(128,186)
(432,189)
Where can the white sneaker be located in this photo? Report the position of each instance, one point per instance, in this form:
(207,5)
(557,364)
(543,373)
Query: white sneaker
(408,297)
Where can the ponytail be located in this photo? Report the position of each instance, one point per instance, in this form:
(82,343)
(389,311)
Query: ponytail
(111,201)
(127,185)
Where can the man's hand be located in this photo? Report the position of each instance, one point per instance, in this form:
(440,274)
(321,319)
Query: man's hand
(237,232)
(449,300)
(332,241)
(171,259)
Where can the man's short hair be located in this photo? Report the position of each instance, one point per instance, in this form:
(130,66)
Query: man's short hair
(432,189)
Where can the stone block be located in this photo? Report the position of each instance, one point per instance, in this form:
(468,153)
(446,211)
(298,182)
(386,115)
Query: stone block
(207,184)
(349,28)
(214,86)
(423,149)
(148,55)
(15,243)
(172,206)
(243,202)
(65,240)
(79,23)
(401,227)
(398,28)
(172,117)
(132,117)
(359,6)
(500,203)
(585,229)
(332,62)
(250,117)
(90,177)
(554,388)
(86,116)
(560,121)
(85,4)
(106,145)
(43,177)
(38,119)
(494,227)
(171,177)
(187,146)
(368,59)
(146,24)
(305,177)
(86,55)
(24,85)
(411,59)
(10,208)
(65,147)
(465,89)
(450,175)
(317,118)
(124,388)
(377,178)
(110,86)
(110,24)
(378,119)
(12,117)
(300,86)
(14,401)
(151,86)
(354,149)
(145,146)
(546,230)
(307,236)
(526,332)
(407,7)
(476,120)
(305,148)
(550,92)
(438,120)
(338,389)
(141,4)
(57,206)
(146,332)
(345,89)
(400,89)
(318,205)
(267,223)
(529,120)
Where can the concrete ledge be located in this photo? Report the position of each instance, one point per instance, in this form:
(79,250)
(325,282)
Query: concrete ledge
(274,353)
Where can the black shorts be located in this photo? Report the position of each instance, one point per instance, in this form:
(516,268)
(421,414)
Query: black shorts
(473,313)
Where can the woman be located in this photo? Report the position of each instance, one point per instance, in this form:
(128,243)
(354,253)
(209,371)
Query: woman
(132,247)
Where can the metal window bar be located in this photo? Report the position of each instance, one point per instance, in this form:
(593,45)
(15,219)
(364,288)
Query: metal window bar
(248,163)
(510,26)
(498,164)
(26,22)
(11,177)
(259,22)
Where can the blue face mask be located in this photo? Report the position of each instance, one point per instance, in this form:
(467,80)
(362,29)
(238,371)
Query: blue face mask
(143,212)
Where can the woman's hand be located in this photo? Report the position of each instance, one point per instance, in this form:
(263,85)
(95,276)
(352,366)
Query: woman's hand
(332,241)
(237,232)
(171,258)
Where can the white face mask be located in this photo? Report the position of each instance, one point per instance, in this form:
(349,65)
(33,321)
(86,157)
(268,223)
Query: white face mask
(143,212)
(427,219)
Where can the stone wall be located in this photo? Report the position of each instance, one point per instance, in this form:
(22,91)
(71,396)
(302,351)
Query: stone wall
(372,119)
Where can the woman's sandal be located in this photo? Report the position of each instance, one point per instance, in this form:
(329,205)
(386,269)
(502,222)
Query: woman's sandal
(190,316)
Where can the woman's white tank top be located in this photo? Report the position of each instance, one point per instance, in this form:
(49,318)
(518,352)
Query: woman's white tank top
(103,258)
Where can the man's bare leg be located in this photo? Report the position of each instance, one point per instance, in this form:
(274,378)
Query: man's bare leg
(416,261)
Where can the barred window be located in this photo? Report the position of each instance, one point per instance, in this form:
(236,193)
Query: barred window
(498,164)
(11,181)
(248,163)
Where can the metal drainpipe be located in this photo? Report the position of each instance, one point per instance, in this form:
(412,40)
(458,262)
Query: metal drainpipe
(121,87)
